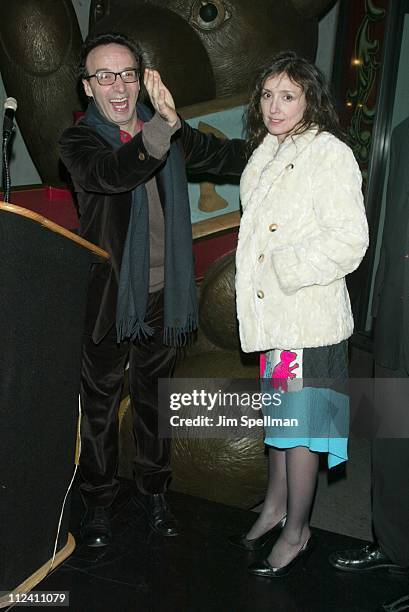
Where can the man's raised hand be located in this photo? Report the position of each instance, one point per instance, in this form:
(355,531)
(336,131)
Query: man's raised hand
(160,96)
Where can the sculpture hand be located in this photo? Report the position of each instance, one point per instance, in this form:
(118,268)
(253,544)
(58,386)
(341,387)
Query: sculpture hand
(160,96)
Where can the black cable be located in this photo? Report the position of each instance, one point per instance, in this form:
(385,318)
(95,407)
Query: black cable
(6,169)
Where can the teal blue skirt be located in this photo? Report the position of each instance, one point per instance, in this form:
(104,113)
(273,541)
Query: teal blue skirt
(311,410)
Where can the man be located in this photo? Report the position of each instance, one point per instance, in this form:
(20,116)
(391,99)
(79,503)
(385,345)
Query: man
(130,180)
(390,455)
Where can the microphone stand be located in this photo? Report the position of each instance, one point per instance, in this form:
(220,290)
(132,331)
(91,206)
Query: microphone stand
(10,107)
(6,167)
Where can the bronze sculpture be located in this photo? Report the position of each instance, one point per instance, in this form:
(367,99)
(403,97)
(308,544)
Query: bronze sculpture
(204,50)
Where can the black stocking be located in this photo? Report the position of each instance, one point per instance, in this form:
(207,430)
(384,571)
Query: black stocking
(302,471)
(275,502)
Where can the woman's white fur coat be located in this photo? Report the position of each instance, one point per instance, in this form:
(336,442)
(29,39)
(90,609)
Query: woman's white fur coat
(302,231)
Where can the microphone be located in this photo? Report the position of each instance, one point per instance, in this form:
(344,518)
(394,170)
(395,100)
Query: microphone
(10,107)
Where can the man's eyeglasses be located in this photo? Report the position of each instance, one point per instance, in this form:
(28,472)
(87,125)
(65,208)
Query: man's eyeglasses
(108,78)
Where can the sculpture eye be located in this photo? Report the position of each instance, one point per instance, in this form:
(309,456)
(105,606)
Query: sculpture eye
(208,15)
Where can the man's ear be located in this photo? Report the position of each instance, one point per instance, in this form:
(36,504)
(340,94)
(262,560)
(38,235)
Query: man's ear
(87,88)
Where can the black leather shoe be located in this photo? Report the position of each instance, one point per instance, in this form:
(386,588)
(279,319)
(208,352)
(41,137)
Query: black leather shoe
(364,559)
(160,518)
(265,570)
(96,527)
(396,605)
(257,543)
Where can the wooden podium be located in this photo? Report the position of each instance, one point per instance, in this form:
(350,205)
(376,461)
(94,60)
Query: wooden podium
(44,272)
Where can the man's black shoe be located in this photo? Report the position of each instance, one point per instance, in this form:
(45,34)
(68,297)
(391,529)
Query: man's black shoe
(160,518)
(96,527)
(369,557)
(396,605)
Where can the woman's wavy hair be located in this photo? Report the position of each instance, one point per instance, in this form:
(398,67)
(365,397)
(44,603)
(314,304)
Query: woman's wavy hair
(319,111)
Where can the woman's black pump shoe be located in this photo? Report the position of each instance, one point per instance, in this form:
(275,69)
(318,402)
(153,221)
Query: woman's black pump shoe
(257,543)
(265,570)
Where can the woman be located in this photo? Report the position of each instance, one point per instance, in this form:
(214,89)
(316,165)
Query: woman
(302,231)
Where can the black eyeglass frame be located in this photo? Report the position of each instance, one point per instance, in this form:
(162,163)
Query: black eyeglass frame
(116,74)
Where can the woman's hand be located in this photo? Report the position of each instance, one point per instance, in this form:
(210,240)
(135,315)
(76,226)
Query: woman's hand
(160,96)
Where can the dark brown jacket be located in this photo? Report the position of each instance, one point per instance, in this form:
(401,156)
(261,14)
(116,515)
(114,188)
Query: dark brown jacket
(103,180)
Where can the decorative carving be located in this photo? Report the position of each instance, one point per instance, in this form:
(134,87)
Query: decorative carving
(365,60)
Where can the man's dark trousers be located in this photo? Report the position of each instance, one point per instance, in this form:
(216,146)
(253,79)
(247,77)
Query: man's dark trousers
(101,386)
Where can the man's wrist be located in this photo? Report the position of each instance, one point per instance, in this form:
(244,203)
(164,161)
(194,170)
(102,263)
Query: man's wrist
(156,135)
(172,124)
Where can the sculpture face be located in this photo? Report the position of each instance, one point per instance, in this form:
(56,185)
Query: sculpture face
(117,101)
(236,37)
(204,49)
(282,105)
(241,35)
